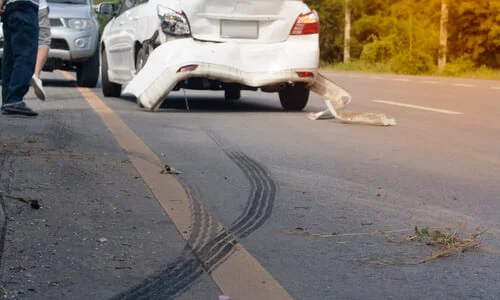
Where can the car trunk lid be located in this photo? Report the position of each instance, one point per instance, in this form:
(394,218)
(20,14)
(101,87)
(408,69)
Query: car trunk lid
(235,21)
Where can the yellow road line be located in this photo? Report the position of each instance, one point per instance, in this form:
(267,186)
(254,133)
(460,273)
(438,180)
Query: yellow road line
(240,276)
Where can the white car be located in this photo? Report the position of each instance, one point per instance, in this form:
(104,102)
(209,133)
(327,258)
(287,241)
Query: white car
(158,46)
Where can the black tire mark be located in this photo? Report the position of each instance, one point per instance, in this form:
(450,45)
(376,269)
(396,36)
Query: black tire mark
(263,200)
(183,272)
(178,277)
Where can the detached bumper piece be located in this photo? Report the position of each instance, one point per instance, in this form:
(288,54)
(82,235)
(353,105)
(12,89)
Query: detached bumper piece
(180,60)
(337,99)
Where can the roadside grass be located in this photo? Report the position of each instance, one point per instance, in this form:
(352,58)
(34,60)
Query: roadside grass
(443,241)
(452,70)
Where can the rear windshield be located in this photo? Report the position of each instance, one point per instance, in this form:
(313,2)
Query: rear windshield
(68,1)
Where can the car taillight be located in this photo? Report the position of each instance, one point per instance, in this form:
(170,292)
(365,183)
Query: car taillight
(306,24)
(188,68)
(305,74)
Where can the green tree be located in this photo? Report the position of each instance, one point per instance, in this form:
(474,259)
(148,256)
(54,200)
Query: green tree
(474,31)
(331,13)
(409,35)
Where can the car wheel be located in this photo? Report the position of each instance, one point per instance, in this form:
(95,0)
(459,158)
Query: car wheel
(294,98)
(88,73)
(232,95)
(140,61)
(142,57)
(109,89)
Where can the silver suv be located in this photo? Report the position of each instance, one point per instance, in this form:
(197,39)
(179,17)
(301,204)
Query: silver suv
(75,40)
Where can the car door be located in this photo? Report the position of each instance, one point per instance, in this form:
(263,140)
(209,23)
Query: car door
(120,46)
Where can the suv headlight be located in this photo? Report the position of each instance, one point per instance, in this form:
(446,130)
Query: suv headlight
(79,24)
(173,22)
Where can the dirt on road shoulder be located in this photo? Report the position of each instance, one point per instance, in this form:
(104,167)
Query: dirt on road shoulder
(97,231)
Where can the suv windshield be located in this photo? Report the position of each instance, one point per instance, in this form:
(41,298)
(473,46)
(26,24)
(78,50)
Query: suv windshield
(68,1)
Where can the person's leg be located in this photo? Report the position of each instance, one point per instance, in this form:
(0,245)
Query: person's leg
(44,39)
(43,52)
(23,29)
(41,59)
(6,59)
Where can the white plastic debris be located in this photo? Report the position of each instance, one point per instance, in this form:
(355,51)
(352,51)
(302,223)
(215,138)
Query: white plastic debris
(337,99)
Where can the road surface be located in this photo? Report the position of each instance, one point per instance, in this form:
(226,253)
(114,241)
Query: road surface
(253,181)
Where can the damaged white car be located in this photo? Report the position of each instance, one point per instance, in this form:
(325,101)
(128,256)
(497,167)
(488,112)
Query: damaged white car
(158,46)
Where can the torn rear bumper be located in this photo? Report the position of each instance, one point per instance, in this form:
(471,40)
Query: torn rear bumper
(254,65)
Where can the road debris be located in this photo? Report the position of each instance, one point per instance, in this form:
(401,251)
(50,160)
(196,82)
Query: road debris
(34,204)
(170,170)
(448,240)
(102,240)
(337,99)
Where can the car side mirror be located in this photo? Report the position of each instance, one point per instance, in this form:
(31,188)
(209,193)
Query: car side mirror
(106,8)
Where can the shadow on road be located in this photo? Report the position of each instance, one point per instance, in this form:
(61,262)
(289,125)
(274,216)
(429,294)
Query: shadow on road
(59,83)
(51,82)
(197,103)
(214,104)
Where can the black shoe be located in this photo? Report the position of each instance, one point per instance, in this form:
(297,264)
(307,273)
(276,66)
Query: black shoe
(19,110)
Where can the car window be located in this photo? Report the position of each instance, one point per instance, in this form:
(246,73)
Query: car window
(126,5)
(139,2)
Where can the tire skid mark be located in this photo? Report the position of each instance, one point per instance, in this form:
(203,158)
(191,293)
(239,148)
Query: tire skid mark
(259,208)
(182,272)
(211,245)
(254,199)
(262,196)
(177,278)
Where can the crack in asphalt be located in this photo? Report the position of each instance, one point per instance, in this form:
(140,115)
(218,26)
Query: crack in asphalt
(209,247)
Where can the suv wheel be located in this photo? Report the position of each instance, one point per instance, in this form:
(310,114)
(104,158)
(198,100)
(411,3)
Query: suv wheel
(294,98)
(87,74)
(109,89)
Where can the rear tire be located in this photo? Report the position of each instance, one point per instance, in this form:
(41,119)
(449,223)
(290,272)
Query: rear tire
(294,98)
(109,89)
(88,73)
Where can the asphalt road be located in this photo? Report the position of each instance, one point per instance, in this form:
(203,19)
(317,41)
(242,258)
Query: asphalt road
(261,174)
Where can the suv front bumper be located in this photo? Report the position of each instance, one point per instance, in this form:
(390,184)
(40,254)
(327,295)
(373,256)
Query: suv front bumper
(72,45)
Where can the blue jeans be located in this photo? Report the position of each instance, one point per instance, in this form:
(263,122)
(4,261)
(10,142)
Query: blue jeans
(20,29)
